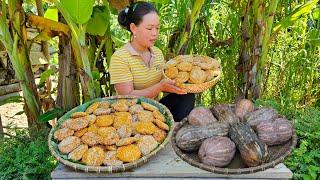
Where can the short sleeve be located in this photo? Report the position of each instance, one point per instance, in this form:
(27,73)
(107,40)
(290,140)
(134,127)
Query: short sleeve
(119,70)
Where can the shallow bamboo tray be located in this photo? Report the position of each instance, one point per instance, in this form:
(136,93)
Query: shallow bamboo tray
(277,155)
(53,146)
(197,88)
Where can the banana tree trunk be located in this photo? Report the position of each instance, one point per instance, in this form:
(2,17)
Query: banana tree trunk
(17,51)
(81,55)
(258,86)
(258,25)
(255,34)
(185,36)
(68,83)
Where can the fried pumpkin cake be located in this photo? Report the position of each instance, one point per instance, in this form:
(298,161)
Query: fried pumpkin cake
(148,106)
(144,127)
(145,115)
(128,153)
(146,144)
(135,109)
(125,131)
(161,124)
(91,138)
(159,135)
(104,120)
(197,76)
(78,114)
(68,144)
(94,156)
(92,107)
(184,66)
(122,118)
(182,77)
(77,123)
(80,132)
(78,153)
(120,105)
(60,134)
(157,114)
(171,72)
(102,111)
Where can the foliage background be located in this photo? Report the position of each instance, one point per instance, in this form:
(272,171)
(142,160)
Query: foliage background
(292,79)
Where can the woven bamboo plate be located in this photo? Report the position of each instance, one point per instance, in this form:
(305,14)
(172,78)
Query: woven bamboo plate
(53,146)
(277,155)
(197,88)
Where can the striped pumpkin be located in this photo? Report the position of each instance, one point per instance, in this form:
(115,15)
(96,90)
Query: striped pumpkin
(275,132)
(253,151)
(217,151)
(190,137)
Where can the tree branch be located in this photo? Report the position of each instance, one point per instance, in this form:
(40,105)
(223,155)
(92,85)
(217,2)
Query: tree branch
(215,42)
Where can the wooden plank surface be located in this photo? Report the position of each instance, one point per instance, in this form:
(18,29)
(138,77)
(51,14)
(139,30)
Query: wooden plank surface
(167,164)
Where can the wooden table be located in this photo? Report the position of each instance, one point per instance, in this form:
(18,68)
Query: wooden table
(167,165)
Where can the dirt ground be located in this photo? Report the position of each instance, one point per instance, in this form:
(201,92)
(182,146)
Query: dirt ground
(12,113)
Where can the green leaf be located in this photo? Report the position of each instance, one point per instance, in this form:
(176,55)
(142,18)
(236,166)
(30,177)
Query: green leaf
(97,87)
(44,76)
(113,11)
(314,37)
(316,13)
(160,1)
(302,10)
(95,74)
(118,42)
(307,177)
(49,115)
(313,170)
(12,99)
(79,10)
(98,24)
(18,113)
(51,13)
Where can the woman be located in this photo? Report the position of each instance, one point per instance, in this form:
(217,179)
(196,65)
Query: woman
(136,68)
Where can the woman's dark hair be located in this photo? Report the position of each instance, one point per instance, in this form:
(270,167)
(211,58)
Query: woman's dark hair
(134,14)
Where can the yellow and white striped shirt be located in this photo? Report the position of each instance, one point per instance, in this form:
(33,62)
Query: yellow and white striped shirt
(127,65)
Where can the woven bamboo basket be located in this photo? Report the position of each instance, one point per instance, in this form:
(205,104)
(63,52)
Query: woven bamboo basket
(53,146)
(197,88)
(277,155)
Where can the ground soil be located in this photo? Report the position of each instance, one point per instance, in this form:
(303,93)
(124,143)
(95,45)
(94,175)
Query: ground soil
(12,115)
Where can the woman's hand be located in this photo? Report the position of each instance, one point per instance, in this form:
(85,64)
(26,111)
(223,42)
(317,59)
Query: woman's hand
(168,85)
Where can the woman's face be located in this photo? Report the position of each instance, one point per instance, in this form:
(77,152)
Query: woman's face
(147,31)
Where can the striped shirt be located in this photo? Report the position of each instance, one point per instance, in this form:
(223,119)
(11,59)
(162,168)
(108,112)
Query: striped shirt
(127,65)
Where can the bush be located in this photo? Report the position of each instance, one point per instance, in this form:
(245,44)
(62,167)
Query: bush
(305,159)
(22,157)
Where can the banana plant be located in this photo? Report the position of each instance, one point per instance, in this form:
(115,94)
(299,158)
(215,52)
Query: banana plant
(99,29)
(184,39)
(16,47)
(77,13)
(257,31)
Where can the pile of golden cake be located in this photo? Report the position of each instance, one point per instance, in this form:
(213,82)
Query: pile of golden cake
(193,69)
(112,133)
